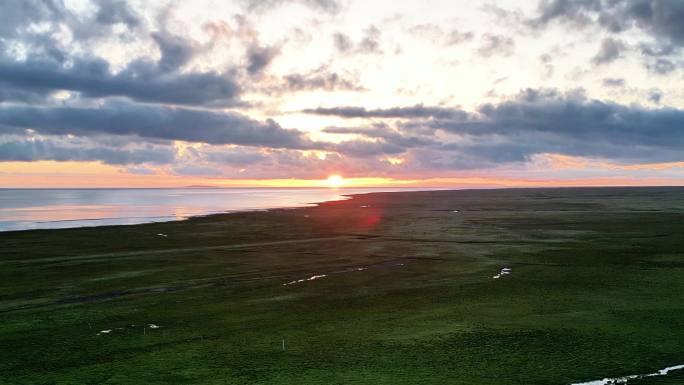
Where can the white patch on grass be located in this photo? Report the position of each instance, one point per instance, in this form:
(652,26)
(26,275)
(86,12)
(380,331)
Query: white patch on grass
(313,277)
(162,235)
(626,379)
(504,271)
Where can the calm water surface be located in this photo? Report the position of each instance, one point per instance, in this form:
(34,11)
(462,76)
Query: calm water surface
(22,209)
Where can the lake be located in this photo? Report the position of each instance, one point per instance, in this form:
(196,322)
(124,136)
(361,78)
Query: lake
(23,209)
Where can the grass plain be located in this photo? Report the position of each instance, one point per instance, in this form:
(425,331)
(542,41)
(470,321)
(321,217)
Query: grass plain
(407,294)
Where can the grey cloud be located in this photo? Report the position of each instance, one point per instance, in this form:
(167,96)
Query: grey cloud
(661,18)
(491,45)
(614,82)
(417,111)
(655,96)
(546,61)
(456,37)
(371,41)
(534,122)
(342,42)
(116,11)
(364,148)
(140,170)
(577,11)
(322,78)
(34,149)
(369,44)
(661,66)
(175,51)
(574,125)
(259,58)
(153,122)
(234,156)
(328,6)
(611,49)
(385,133)
(140,81)
(192,170)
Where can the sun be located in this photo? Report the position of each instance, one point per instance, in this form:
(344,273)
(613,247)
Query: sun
(335,181)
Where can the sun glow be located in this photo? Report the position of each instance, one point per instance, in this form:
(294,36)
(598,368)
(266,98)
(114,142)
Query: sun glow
(335,181)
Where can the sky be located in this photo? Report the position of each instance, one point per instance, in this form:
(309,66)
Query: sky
(506,93)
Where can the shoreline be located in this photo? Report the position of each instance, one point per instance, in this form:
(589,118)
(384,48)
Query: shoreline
(342,196)
(170,218)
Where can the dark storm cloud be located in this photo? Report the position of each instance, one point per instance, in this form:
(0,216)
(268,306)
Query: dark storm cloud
(153,122)
(140,81)
(35,149)
(417,111)
(610,50)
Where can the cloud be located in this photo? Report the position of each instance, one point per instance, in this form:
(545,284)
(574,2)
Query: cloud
(417,111)
(369,43)
(29,149)
(515,130)
(661,67)
(155,122)
(321,79)
(140,81)
(611,49)
(116,11)
(660,18)
(491,45)
(385,133)
(456,37)
(328,6)
(342,42)
(259,58)
(234,156)
(569,123)
(613,82)
(175,51)
(655,96)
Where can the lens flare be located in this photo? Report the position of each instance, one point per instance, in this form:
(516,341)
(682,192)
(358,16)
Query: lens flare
(335,181)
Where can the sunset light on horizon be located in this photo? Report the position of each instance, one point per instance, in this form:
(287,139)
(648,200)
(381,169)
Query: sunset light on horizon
(287,93)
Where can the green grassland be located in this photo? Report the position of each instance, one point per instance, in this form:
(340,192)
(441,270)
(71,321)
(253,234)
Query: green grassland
(596,290)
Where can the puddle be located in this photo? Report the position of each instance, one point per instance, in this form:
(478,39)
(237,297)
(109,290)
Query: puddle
(626,379)
(504,271)
(162,235)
